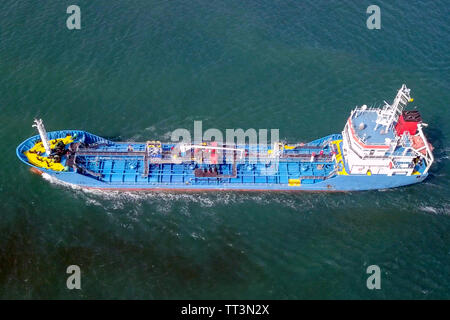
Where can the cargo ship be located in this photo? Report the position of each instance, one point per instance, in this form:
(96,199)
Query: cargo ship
(379,148)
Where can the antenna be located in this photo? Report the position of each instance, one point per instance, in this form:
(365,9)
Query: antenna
(40,126)
(391,112)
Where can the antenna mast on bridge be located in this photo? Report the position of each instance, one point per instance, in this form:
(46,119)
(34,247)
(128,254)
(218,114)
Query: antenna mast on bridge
(43,133)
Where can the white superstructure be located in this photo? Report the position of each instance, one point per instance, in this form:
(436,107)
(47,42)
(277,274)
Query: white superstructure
(386,140)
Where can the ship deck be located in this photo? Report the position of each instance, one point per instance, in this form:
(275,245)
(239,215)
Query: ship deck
(129,163)
(364,123)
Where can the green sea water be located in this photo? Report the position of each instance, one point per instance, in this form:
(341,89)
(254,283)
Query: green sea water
(139,69)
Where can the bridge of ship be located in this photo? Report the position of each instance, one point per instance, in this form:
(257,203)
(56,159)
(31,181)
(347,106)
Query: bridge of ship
(364,123)
(130,163)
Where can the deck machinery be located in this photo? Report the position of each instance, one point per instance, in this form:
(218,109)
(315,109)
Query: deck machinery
(379,148)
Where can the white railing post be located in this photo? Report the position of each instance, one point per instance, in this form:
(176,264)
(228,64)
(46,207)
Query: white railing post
(43,133)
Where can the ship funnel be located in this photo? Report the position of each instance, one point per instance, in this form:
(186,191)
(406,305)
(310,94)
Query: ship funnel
(40,127)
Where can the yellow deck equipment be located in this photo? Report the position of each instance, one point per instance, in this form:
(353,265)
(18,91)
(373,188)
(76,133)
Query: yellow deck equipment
(34,155)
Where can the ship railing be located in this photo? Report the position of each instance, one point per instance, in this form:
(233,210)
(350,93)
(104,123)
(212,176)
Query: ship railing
(213,180)
(429,153)
(190,174)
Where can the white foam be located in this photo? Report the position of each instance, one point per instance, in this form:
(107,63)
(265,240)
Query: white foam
(164,201)
(444,210)
(55,180)
(428,209)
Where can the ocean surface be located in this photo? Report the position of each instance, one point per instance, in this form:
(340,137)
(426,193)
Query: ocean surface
(137,70)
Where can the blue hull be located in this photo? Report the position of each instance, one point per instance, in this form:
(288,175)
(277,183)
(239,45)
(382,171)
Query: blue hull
(126,174)
(335,184)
